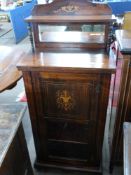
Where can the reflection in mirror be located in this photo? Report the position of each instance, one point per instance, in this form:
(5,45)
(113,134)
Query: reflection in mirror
(93,28)
(73,33)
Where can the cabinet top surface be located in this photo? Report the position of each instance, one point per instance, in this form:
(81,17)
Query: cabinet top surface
(124,40)
(74,62)
(70,11)
(10,118)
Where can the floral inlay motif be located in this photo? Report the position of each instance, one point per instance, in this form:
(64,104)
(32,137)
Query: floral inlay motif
(68,9)
(65,100)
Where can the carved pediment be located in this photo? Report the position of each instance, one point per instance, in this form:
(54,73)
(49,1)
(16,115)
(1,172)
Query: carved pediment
(71,7)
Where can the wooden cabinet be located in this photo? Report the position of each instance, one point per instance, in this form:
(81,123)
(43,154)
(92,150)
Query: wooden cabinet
(14,156)
(16,160)
(68,103)
(123,107)
(67,82)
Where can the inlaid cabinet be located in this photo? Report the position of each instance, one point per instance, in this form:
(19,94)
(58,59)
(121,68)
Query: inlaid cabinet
(67,82)
(68,103)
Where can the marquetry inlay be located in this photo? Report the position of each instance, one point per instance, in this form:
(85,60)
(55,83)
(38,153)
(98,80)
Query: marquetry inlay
(65,100)
(68,9)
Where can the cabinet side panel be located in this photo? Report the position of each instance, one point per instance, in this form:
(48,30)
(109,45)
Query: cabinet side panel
(31,100)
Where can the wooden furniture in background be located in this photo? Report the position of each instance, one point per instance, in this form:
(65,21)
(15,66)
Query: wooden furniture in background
(9,74)
(123,108)
(70,13)
(127,147)
(14,157)
(68,96)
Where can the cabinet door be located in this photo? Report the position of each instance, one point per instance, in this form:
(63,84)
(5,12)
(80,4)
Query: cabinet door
(70,114)
(67,96)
